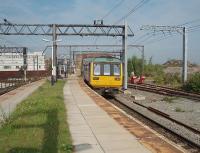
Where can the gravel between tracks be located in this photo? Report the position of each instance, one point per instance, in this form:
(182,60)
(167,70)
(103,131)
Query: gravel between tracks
(181,109)
(179,130)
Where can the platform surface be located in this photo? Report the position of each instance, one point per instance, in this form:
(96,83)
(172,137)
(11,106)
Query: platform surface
(9,101)
(92,129)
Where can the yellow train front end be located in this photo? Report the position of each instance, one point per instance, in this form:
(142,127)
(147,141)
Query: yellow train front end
(109,78)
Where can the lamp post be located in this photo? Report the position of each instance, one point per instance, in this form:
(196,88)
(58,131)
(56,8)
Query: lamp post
(54,62)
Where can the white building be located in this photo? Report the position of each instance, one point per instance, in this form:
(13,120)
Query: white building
(15,61)
(35,61)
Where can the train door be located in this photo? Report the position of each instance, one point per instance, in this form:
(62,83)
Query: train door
(107,73)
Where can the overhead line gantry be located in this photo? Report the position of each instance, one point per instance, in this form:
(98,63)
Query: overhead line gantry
(55,30)
(182,31)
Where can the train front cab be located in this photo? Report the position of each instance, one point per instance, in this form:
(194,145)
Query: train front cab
(106,75)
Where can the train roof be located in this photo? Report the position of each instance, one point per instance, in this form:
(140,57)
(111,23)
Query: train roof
(102,59)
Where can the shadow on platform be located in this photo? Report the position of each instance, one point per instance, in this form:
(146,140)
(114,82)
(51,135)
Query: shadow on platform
(50,127)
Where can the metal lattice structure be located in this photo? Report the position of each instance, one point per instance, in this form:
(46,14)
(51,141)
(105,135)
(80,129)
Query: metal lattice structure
(62,29)
(12,49)
(162,28)
(55,30)
(182,31)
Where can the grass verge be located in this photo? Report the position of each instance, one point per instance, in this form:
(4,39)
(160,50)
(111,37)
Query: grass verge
(38,125)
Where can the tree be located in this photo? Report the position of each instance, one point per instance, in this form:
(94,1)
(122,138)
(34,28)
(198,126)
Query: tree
(134,65)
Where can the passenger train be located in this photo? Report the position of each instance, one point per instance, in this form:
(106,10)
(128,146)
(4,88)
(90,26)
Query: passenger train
(104,73)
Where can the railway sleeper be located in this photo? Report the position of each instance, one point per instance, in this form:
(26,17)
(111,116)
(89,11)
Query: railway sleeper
(179,130)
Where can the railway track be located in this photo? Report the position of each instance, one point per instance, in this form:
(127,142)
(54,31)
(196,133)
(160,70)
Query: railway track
(9,85)
(190,134)
(165,91)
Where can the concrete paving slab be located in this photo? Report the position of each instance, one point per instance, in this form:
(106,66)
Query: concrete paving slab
(9,101)
(92,129)
(125,151)
(87,148)
(93,112)
(108,131)
(119,137)
(118,145)
(85,139)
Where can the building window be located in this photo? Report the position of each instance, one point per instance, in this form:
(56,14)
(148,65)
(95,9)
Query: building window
(7,67)
(17,67)
(39,67)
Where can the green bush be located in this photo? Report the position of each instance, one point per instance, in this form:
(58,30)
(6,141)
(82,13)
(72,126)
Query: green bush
(152,70)
(134,65)
(172,79)
(193,84)
(159,79)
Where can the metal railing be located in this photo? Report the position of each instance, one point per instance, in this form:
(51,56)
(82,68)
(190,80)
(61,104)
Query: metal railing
(9,84)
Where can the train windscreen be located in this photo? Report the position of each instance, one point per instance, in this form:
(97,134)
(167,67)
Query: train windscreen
(116,70)
(97,69)
(106,68)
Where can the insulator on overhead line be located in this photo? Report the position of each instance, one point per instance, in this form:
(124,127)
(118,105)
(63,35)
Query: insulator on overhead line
(98,22)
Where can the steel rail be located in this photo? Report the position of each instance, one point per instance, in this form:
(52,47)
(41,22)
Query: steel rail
(165,91)
(152,85)
(162,115)
(167,116)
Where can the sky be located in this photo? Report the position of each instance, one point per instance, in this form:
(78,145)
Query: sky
(161,46)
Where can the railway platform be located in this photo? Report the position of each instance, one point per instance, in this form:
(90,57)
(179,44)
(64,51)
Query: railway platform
(9,101)
(92,129)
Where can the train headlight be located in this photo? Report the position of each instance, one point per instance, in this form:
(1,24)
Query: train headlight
(117,78)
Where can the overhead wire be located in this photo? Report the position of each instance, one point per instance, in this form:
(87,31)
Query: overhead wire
(112,9)
(135,8)
(189,22)
(160,39)
(189,29)
(149,37)
(146,36)
(166,37)
(108,13)
(141,37)
(161,35)
(193,27)
(193,30)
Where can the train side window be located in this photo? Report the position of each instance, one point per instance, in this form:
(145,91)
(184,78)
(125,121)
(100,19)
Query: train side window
(106,69)
(116,69)
(97,69)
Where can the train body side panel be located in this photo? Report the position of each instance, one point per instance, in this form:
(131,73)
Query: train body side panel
(86,72)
